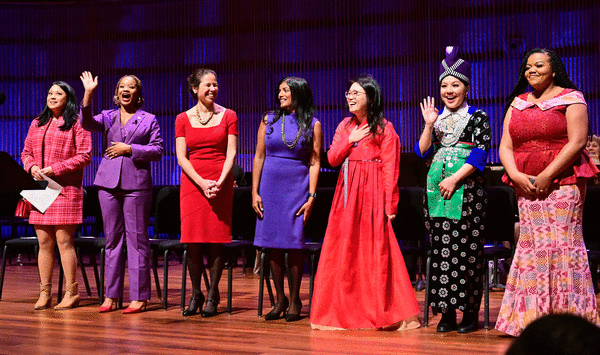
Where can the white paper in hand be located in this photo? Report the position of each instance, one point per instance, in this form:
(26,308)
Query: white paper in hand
(42,199)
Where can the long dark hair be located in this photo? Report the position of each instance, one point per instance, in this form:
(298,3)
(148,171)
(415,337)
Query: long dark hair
(561,77)
(70,112)
(374,102)
(302,103)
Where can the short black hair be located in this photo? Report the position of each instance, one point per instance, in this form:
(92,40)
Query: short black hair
(558,334)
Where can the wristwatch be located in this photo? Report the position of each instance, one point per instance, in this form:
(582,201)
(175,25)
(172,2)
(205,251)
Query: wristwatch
(312,194)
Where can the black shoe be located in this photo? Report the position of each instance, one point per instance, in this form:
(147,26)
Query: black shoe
(195,303)
(292,317)
(448,322)
(209,311)
(275,313)
(469,323)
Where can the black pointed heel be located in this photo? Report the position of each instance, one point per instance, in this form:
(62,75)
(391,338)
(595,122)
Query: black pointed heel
(210,313)
(274,314)
(196,303)
(292,317)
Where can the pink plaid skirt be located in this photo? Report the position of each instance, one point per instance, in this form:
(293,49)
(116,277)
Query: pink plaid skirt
(67,209)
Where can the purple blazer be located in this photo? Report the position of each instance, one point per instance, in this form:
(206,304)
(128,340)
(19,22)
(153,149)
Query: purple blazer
(141,132)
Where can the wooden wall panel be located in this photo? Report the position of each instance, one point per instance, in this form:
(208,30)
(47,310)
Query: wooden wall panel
(254,44)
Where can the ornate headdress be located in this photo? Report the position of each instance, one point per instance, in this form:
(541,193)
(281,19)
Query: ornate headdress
(455,66)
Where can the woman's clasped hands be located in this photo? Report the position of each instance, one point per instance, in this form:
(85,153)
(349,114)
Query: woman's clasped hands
(210,188)
(38,173)
(532,185)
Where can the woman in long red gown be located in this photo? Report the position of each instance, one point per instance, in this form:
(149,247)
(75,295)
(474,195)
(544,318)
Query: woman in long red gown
(362,281)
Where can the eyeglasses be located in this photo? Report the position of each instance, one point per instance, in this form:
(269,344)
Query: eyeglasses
(353,93)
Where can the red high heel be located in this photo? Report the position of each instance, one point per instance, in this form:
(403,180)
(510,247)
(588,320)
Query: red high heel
(113,307)
(130,310)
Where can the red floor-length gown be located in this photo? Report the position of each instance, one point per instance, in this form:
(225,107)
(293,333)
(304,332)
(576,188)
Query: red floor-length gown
(361,280)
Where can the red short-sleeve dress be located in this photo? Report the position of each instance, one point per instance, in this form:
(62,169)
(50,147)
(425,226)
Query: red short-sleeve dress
(206,220)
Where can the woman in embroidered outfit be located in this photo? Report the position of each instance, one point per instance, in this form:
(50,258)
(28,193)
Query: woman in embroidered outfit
(284,184)
(58,147)
(458,139)
(361,281)
(131,140)
(542,150)
(206,144)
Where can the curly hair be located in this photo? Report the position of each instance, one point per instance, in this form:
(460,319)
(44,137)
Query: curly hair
(561,77)
(139,89)
(70,112)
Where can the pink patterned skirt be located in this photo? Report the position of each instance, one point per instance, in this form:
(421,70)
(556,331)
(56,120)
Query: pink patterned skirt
(550,271)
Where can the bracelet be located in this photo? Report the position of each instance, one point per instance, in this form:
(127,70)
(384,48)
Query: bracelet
(312,194)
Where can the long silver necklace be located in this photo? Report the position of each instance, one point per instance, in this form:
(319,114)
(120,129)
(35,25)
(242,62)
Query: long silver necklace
(295,141)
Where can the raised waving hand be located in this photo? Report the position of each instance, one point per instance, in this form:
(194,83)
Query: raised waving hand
(429,111)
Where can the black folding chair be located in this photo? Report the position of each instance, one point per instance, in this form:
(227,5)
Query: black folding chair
(499,228)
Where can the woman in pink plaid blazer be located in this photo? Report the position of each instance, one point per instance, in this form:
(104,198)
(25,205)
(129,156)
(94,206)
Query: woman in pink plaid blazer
(58,147)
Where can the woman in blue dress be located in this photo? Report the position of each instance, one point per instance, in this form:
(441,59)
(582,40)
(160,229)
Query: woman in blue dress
(284,184)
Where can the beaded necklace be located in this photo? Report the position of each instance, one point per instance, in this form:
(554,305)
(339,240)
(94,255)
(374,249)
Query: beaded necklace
(201,120)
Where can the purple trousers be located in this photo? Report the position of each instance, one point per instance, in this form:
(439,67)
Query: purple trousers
(126,215)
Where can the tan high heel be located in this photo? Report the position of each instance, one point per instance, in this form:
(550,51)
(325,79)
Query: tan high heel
(71,298)
(45,297)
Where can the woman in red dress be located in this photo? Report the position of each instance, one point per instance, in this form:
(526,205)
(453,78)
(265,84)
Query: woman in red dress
(542,150)
(362,280)
(58,147)
(206,144)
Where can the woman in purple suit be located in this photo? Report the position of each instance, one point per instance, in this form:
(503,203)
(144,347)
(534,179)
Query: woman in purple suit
(131,141)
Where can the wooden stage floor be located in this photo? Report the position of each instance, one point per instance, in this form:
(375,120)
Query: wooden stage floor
(83,330)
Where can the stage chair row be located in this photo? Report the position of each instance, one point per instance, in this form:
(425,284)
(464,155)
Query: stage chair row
(408,227)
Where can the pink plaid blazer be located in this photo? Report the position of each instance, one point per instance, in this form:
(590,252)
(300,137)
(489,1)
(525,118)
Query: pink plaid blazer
(67,152)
